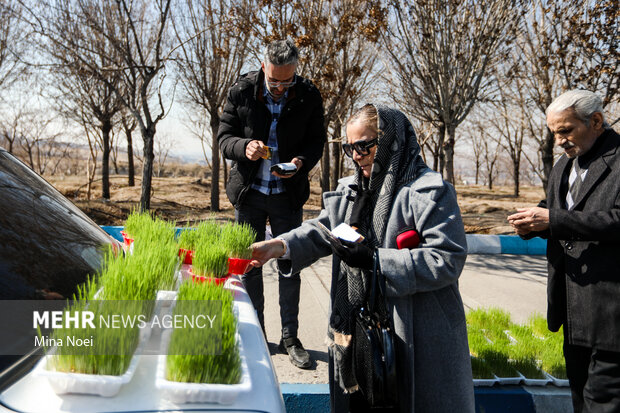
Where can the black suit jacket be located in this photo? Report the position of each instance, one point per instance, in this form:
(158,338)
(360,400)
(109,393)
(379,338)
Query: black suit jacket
(583,250)
(300,131)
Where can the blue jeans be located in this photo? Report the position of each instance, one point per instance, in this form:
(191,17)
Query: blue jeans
(255,210)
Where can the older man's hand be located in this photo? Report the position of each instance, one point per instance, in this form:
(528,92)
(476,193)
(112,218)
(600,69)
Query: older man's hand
(528,220)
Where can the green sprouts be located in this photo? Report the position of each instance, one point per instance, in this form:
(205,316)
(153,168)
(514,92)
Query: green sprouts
(507,347)
(210,260)
(480,369)
(135,222)
(191,357)
(110,349)
(237,239)
(125,286)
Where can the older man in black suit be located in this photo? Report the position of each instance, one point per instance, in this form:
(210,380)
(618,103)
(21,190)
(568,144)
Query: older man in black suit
(581,221)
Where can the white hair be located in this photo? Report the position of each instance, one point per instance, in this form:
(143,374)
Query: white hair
(281,53)
(583,102)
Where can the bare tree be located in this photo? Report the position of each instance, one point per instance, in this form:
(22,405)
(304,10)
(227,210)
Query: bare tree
(441,51)
(80,94)
(567,45)
(91,162)
(474,131)
(11,128)
(214,46)
(163,145)
(490,156)
(12,44)
(129,125)
(509,119)
(39,143)
(336,39)
(138,38)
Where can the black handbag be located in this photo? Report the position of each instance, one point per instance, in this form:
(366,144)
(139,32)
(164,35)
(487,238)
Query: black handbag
(374,353)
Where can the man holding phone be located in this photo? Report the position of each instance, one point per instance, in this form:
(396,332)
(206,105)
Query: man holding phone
(273,116)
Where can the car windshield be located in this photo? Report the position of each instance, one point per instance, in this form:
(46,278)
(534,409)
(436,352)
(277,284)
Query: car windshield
(48,246)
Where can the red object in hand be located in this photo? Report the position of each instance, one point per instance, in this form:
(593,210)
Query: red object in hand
(408,238)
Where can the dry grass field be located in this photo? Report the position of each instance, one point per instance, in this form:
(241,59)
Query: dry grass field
(186,199)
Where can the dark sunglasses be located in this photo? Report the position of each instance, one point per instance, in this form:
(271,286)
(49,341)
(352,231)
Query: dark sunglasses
(361,147)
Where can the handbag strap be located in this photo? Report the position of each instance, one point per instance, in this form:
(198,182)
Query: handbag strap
(378,283)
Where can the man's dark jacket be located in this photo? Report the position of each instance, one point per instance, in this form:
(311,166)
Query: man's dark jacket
(300,132)
(583,250)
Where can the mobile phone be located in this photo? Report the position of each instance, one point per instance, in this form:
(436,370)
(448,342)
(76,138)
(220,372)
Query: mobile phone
(287,168)
(328,235)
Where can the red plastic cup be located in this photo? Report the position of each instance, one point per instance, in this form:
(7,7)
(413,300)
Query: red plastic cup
(126,238)
(188,255)
(238,266)
(201,278)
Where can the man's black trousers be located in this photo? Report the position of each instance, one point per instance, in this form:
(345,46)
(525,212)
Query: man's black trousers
(255,210)
(594,377)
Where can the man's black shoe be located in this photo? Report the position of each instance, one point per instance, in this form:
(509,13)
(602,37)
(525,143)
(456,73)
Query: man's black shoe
(296,352)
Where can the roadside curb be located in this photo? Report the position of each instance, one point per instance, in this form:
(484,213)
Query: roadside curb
(113,231)
(505,244)
(314,398)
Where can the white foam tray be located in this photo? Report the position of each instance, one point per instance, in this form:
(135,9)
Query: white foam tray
(178,392)
(510,380)
(556,381)
(485,382)
(96,384)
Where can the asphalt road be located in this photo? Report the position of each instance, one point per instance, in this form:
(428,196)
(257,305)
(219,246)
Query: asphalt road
(515,283)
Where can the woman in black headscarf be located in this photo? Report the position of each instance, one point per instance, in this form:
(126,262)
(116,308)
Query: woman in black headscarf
(392,192)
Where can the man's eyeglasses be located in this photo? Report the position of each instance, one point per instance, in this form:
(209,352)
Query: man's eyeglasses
(282,84)
(361,147)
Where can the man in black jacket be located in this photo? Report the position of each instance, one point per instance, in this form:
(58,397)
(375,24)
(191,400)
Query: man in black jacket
(581,221)
(273,116)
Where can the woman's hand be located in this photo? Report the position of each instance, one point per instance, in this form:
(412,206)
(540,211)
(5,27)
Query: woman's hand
(265,250)
(355,254)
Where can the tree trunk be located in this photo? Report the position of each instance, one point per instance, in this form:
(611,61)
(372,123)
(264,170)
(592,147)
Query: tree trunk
(546,152)
(477,171)
(336,170)
(515,171)
(89,179)
(490,175)
(224,170)
(130,166)
(325,169)
(215,163)
(448,149)
(106,127)
(148,135)
(439,164)
(337,150)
